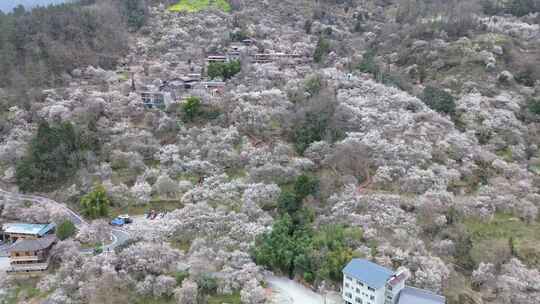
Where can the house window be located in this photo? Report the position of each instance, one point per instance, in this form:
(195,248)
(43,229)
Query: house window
(358,300)
(372,298)
(348,295)
(347,285)
(370,289)
(348,278)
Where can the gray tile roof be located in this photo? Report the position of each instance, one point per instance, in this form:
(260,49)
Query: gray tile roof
(411,295)
(33,245)
(375,276)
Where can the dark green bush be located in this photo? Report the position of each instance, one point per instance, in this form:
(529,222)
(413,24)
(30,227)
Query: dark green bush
(439,100)
(322,49)
(224,70)
(534,106)
(65,230)
(96,203)
(312,129)
(191,108)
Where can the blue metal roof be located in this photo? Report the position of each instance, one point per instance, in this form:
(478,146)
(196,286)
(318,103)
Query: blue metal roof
(375,276)
(31,229)
(411,295)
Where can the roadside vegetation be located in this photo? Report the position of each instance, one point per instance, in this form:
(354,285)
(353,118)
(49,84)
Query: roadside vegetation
(296,248)
(96,203)
(65,230)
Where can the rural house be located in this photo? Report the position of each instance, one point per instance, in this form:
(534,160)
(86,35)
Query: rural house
(15,231)
(31,256)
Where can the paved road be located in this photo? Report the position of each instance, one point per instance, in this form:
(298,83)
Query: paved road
(286,291)
(118,236)
(291,292)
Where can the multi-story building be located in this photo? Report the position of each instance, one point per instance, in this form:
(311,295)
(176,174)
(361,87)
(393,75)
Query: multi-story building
(365,282)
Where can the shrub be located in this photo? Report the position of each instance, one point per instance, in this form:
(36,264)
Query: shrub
(207,284)
(307,26)
(192,108)
(96,203)
(65,230)
(521,8)
(526,77)
(312,129)
(224,70)
(135,13)
(534,106)
(439,100)
(180,276)
(238,35)
(322,49)
(313,85)
(305,186)
(368,64)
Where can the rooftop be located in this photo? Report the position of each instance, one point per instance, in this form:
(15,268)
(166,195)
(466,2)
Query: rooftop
(33,245)
(373,275)
(411,295)
(31,229)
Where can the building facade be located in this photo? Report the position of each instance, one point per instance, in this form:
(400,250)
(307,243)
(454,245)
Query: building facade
(16,231)
(365,282)
(30,256)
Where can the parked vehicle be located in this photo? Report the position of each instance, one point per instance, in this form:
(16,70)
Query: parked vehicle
(121,220)
(126,218)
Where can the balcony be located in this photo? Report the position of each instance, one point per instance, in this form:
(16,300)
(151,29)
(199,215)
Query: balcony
(28,267)
(27,258)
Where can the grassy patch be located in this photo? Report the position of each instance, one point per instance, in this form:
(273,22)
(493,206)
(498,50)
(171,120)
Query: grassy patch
(25,290)
(495,235)
(194,6)
(152,300)
(505,154)
(229,299)
(183,245)
(236,173)
(193,178)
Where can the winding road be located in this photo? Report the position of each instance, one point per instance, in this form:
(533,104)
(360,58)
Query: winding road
(118,236)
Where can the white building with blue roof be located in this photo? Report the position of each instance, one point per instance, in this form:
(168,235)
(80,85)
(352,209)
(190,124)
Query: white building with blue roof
(411,295)
(365,282)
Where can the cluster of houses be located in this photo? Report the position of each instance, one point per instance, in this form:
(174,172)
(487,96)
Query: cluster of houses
(29,246)
(175,89)
(365,282)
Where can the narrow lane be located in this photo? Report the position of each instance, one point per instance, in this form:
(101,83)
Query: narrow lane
(118,236)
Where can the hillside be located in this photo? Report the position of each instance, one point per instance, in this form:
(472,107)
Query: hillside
(282,137)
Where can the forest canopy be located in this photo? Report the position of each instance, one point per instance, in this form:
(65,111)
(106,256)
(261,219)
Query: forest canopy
(38,48)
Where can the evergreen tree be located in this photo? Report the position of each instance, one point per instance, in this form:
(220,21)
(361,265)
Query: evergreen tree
(96,203)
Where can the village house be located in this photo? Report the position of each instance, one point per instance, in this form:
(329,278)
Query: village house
(365,282)
(30,256)
(156,100)
(16,231)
